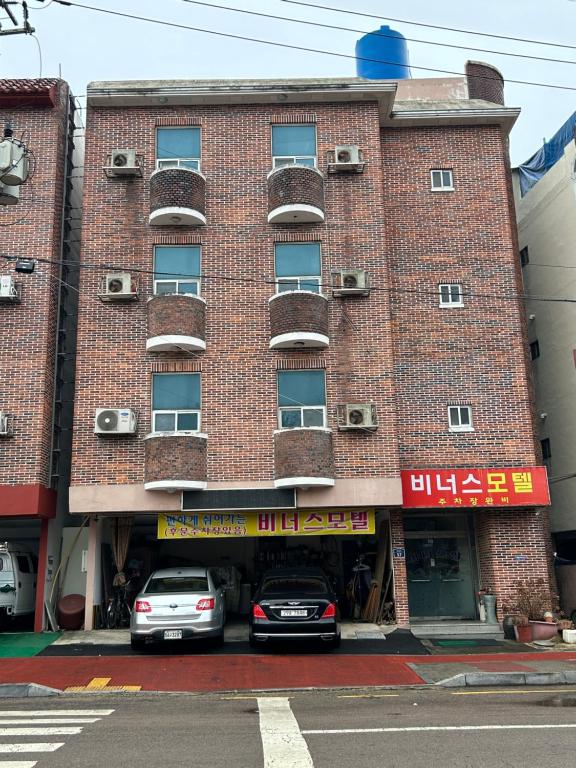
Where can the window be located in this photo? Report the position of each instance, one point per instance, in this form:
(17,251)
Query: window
(177,269)
(175,402)
(546,450)
(524,256)
(301,399)
(460,418)
(178,147)
(293,145)
(450,295)
(441,180)
(534,350)
(297,266)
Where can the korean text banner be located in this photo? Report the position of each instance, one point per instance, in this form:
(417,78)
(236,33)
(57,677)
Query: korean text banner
(210,525)
(505,487)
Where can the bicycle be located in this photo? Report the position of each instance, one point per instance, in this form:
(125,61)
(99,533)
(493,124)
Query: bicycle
(118,611)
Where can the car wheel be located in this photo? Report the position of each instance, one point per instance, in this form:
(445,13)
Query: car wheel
(136,643)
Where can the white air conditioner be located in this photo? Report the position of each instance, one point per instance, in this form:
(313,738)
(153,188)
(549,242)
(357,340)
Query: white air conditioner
(118,284)
(123,162)
(347,154)
(115,421)
(7,287)
(4,425)
(351,282)
(360,416)
(13,162)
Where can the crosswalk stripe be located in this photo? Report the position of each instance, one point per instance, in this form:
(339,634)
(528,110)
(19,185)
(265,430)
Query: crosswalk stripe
(48,720)
(48,731)
(18,764)
(55,712)
(39,746)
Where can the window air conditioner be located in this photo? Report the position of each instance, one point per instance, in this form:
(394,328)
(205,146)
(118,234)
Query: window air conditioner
(351,282)
(347,154)
(123,162)
(361,416)
(115,421)
(7,287)
(5,430)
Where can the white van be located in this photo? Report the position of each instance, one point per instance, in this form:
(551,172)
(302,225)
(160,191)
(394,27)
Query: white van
(17,580)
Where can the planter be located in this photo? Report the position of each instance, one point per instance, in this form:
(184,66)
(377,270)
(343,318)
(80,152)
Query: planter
(569,635)
(508,628)
(543,630)
(523,634)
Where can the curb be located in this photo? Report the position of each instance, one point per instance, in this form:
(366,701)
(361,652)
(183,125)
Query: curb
(475,679)
(26,690)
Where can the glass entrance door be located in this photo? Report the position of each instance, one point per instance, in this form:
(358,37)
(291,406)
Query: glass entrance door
(441,567)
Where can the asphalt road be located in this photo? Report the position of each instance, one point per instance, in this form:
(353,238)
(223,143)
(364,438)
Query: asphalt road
(363,729)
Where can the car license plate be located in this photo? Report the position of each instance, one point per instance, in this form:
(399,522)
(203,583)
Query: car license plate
(172,634)
(293,612)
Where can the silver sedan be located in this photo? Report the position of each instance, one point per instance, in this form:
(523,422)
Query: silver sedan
(179,604)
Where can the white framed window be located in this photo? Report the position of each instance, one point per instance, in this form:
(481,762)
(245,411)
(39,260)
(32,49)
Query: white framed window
(177,269)
(176,402)
(294,145)
(441,180)
(178,147)
(297,267)
(301,399)
(460,418)
(450,295)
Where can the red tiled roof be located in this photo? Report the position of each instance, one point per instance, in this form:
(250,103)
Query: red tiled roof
(28,92)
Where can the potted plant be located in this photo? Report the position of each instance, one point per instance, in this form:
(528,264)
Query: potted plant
(533,601)
(522,629)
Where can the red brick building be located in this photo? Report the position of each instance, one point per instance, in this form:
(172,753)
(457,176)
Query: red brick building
(294,292)
(38,228)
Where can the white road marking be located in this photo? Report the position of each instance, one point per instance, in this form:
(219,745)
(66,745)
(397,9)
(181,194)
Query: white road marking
(48,731)
(282,741)
(55,712)
(425,728)
(30,747)
(48,720)
(18,764)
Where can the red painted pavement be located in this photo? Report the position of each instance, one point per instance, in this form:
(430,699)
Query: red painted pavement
(211,673)
(236,672)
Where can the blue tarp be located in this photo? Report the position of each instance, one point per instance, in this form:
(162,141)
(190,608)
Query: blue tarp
(533,169)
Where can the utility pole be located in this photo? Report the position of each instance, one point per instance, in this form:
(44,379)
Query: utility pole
(25,29)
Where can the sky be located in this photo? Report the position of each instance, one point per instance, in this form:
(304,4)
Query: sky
(83,45)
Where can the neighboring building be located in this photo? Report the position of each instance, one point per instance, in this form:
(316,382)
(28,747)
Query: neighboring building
(38,225)
(546,211)
(295,338)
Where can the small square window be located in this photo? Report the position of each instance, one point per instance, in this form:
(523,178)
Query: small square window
(450,295)
(177,269)
(175,402)
(301,399)
(460,418)
(293,145)
(178,148)
(534,350)
(546,450)
(524,256)
(297,267)
(441,180)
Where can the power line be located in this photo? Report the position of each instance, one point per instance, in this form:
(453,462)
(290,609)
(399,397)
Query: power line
(430,26)
(302,48)
(272,281)
(382,35)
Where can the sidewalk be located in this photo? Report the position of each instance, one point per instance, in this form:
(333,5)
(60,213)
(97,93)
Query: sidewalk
(370,657)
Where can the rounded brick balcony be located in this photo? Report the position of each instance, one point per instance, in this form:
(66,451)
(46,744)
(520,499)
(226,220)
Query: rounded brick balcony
(176,323)
(295,195)
(298,320)
(177,197)
(175,461)
(303,458)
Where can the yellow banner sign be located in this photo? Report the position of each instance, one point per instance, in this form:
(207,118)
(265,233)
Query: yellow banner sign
(218,525)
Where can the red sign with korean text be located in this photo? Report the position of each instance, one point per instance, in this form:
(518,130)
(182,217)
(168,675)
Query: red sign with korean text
(504,487)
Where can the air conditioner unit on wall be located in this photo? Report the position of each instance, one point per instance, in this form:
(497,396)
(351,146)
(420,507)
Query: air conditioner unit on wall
(123,162)
(115,421)
(351,282)
(361,416)
(8,290)
(345,158)
(118,286)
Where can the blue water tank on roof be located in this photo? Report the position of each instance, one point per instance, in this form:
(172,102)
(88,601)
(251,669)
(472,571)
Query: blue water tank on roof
(382,55)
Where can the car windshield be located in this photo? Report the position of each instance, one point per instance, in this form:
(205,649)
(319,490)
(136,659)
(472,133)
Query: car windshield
(301,585)
(171,584)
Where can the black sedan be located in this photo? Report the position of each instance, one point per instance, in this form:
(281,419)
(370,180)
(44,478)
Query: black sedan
(294,603)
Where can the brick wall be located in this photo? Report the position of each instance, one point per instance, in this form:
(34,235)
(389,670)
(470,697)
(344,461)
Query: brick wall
(238,370)
(31,229)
